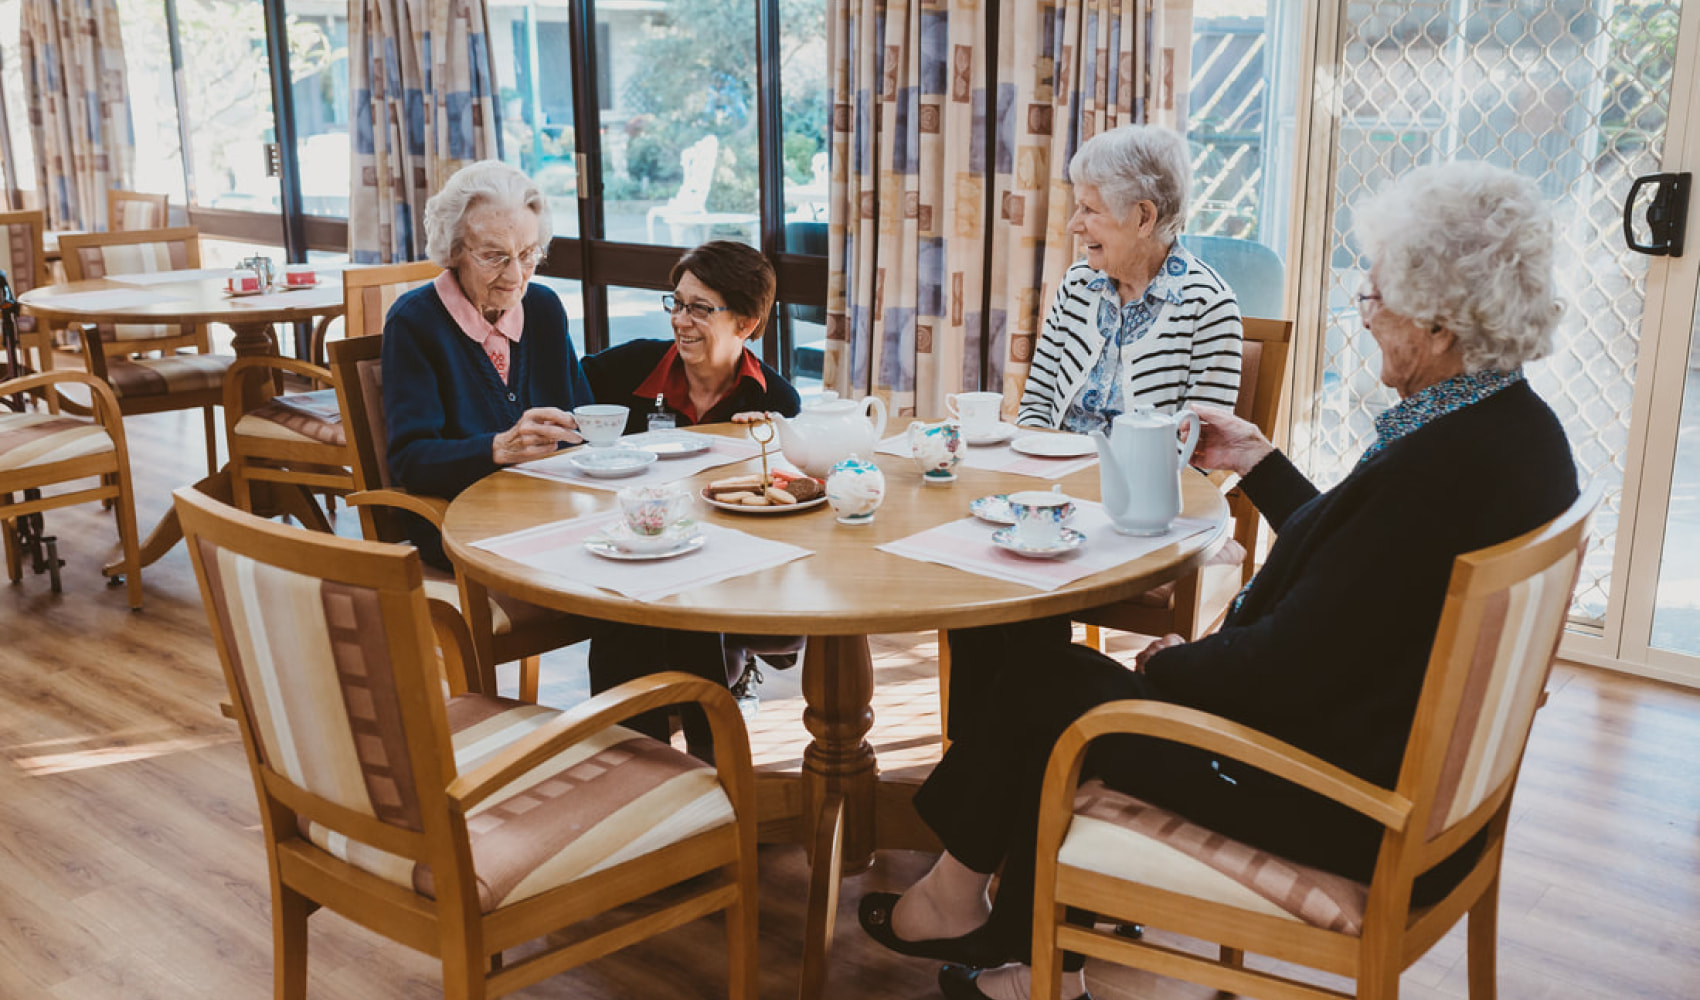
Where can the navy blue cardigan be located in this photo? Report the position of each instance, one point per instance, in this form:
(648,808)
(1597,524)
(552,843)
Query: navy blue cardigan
(444,402)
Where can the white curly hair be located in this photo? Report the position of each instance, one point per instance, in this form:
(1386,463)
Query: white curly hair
(1136,163)
(484,182)
(1467,246)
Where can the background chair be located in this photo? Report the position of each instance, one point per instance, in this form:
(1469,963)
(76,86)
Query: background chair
(1130,861)
(503,628)
(466,827)
(280,443)
(1252,270)
(141,362)
(127,211)
(26,268)
(40,450)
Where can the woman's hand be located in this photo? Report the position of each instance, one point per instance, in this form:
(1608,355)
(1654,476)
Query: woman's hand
(1227,442)
(1157,645)
(539,432)
(752,417)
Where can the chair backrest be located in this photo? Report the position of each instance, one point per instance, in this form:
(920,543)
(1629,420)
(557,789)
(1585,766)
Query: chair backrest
(1263,371)
(698,161)
(368,293)
(1252,270)
(1505,611)
(357,365)
(807,238)
(127,211)
(24,262)
(97,255)
(328,653)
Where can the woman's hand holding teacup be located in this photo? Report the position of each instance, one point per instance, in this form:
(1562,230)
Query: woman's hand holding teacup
(1227,442)
(538,434)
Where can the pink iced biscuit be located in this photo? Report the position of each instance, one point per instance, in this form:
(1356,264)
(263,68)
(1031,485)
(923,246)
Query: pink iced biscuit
(244,281)
(300,274)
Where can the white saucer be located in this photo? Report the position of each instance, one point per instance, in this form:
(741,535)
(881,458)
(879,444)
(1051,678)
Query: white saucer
(1004,538)
(671,444)
(999,434)
(285,287)
(609,463)
(232,293)
(609,546)
(1055,445)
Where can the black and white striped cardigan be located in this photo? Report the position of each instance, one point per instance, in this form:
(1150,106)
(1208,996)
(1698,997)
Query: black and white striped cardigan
(1191,354)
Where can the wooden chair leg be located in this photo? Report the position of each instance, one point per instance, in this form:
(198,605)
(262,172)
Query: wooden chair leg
(944,689)
(1095,638)
(212,441)
(1483,945)
(130,541)
(530,676)
(241,490)
(289,942)
(14,558)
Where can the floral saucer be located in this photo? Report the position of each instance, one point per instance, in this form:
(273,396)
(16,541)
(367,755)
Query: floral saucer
(609,463)
(1005,538)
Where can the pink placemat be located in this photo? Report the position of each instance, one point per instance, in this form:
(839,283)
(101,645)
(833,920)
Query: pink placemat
(724,451)
(967,545)
(1001,458)
(558,548)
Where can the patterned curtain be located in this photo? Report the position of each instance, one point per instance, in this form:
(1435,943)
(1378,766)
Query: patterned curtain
(79,106)
(910,237)
(423,107)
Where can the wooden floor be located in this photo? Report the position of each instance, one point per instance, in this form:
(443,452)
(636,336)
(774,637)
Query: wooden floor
(131,865)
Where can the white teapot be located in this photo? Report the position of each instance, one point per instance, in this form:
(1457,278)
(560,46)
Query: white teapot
(1139,469)
(829,430)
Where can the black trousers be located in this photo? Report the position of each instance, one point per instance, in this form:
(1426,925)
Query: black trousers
(1014,690)
(621,652)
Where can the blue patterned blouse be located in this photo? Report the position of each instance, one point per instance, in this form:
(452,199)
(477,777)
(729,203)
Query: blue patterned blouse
(1436,401)
(1099,401)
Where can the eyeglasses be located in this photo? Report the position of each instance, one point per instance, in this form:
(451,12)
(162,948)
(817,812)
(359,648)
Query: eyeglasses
(493,261)
(700,311)
(1365,298)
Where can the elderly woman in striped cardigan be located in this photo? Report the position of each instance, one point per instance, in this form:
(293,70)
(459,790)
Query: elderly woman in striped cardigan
(1140,322)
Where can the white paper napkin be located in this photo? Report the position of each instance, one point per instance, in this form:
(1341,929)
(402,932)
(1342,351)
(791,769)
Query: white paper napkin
(171,277)
(1000,458)
(967,545)
(724,451)
(558,548)
(113,298)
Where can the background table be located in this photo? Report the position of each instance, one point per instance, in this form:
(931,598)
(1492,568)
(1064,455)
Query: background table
(198,300)
(847,590)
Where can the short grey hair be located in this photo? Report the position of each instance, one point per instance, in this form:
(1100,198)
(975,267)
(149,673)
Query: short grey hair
(1467,246)
(1138,163)
(487,182)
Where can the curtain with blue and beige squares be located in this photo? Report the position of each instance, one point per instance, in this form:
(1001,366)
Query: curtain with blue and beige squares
(911,237)
(423,107)
(79,101)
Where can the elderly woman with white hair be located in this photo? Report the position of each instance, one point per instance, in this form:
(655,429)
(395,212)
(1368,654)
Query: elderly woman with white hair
(1327,647)
(478,369)
(1140,322)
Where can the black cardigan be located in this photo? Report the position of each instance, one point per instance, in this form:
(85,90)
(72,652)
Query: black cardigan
(616,373)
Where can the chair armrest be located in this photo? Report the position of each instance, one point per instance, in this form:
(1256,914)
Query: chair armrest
(432,509)
(103,401)
(460,660)
(94,349)
(731,740)
(1191,727)
(237,374)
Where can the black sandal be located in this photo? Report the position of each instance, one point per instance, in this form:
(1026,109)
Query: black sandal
(972,948)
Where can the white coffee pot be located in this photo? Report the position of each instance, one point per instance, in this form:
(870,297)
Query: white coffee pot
(829,430)
(1139,468)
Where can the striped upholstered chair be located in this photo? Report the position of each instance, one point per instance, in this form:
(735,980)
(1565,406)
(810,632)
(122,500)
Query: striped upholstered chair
(142,362)
(41,450)
(127,211)
(462,826)
(278,443)
(1131,861)
(26,267)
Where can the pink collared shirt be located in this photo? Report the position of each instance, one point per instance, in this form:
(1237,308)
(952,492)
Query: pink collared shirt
(496,338)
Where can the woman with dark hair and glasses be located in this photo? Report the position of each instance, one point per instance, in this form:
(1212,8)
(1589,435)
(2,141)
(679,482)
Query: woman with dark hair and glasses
(479,372)
(722,296)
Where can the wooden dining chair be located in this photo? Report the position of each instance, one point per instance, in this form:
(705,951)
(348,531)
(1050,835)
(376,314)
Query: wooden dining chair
(461,826)
(41,450)
(504,628)
(1130,861)
(26,267)
(127,211)
(143,362)
(279,441)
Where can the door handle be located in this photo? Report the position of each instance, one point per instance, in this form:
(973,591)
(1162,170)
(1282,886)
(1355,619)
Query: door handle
(1667,214)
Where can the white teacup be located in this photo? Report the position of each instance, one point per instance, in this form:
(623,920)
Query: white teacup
(1039,517)
(978,412)
(601,423)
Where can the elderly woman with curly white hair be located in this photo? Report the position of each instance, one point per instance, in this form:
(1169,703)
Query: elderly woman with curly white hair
(1327,647)
(478,369)
(1140,321)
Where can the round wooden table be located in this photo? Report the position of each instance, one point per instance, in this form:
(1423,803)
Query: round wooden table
(837,597)
(196,300)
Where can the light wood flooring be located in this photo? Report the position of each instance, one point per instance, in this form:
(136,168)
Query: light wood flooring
(131,865)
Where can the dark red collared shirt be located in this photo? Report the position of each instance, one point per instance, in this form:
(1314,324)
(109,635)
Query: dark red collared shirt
(667,379)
